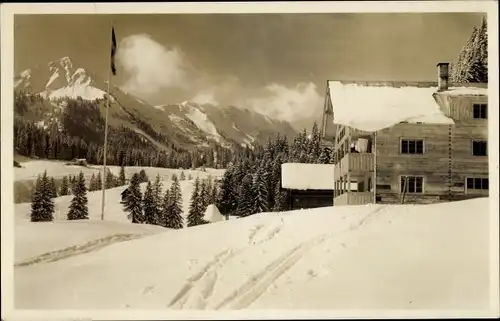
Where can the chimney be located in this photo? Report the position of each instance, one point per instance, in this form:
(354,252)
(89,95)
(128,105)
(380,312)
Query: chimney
(443,76)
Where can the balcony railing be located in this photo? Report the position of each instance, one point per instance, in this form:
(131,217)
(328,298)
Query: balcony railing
(353,198)
(354,163)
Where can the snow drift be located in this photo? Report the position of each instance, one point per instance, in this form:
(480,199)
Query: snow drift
(352,257)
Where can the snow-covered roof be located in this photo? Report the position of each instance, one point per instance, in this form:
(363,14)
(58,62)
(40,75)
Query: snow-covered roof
(378,105)
(460,90)
(307,176)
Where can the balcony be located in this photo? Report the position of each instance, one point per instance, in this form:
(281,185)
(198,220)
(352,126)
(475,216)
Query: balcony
(354,164)
(354,198)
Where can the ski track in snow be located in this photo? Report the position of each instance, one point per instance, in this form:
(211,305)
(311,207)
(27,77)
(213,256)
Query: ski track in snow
(74,250)
(197,292)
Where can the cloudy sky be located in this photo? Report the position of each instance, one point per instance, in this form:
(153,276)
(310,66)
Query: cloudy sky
(277,64)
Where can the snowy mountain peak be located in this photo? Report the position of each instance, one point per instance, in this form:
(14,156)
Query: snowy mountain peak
(60,80)
(23,79)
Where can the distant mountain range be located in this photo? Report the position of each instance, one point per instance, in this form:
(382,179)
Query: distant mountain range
(186,125)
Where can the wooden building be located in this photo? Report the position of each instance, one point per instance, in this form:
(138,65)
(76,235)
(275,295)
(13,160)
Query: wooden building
(408,142)
(310,185)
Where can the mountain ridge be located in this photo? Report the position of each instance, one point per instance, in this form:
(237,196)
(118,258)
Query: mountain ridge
(187,124)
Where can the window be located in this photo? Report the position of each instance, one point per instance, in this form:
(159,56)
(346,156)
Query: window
(412,146)
(477,183)
(341,134)
(413,184)
(479,111)
(479,147)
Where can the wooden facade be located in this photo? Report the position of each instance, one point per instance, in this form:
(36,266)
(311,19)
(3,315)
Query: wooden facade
(416,162)
(302,199)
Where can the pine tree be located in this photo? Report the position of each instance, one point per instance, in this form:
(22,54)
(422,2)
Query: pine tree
(246,197)
(190,177)
(227,197)
(121,178)
(157,191)
(110,179)
(281,199)
(53,188)
(195,216)
(183,176)
(174,177)
(42,206)
(92,183)
(149,205)
(324,158)
(472,64)
(165,209)
(37,201)
(204,195)
(174,217)
(314,149)
(98,184)
(64,188)
(78,209)
(260,188)
(133,202)
(214,194)
(143,178)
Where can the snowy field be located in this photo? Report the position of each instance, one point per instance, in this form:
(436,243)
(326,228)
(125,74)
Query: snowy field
(352,257)
(58,169)
(115,225)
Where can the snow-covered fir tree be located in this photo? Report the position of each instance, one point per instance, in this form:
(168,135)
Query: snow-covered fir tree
(260,187)
(214,193)
(472,64)
(190,177)
(157,191)
(78,209)
(205,190)
(143,177)
(246,197)
(150,205)
(281,199)
(227,198)
(324,157)
(121,177)
(195,215)
(165,208)
(174,217)
(173,177)
(110,179)
(64,188)
(314,146)
(42,205)
(133,201)
(92,183)
(53,187)
(99,182)
(183,176)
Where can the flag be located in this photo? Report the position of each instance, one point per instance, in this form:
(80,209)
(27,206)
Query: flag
(113,51)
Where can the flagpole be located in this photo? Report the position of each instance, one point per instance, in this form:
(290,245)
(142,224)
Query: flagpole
(106,137)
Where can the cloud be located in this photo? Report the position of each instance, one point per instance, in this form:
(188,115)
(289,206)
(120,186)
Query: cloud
(150,66)
(287,103)
(215,90)
(205,97)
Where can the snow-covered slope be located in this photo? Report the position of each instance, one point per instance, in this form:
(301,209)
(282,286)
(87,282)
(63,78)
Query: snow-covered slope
(352,257)
(224,124)
(115,225)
